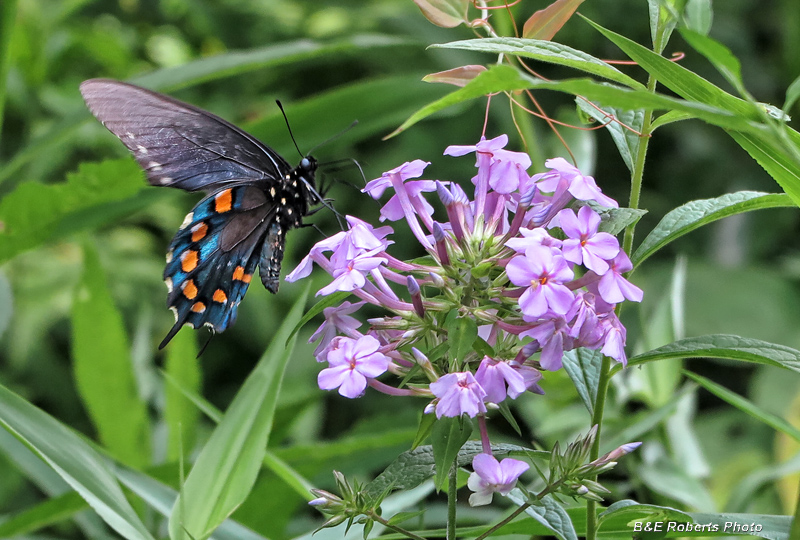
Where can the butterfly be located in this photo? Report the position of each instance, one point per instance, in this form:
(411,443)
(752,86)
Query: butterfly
(253,197)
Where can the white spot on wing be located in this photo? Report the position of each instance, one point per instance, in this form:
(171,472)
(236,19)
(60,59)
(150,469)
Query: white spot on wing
(175,312)
(154,166)
(130,135)
(141,149)
(165,180)
(187,220)
(168,281)
(169,256)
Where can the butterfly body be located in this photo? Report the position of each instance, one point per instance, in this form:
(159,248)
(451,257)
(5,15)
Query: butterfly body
(254,197)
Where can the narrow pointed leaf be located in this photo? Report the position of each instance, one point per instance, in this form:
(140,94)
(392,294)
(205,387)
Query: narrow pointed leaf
(448,436)
(180,413)
(723,346)
(74,460)
(583,367)
(104,370)
(226,469)
(695,214)
(45,514)
(626,137)
(545,51)
(444,13)
(549,513)
(746,406)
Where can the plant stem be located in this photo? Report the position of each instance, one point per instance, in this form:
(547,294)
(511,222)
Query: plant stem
(452,487)
(627,244)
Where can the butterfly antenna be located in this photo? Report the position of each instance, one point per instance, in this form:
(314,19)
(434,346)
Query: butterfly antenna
(329,139)
(286,119)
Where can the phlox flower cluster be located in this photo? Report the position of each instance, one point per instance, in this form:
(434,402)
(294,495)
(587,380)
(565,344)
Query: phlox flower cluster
(523,264)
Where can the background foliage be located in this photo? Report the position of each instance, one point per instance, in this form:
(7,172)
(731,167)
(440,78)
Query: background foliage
(83,241)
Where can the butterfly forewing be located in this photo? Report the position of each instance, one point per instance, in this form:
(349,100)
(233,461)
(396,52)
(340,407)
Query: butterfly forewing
(177,144)
(254,197)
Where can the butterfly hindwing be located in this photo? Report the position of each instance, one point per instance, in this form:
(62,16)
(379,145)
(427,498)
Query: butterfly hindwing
(212,258)
(177,144)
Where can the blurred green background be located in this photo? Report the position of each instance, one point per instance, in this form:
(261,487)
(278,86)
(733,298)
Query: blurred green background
(331,62)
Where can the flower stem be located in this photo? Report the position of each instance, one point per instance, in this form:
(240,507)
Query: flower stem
(452,487)
(627,244)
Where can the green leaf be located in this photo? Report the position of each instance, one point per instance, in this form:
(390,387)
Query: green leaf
(45,514)
(234,63)
(719,55)
(161,498)
(614,220)
(544,51)
(31,214)
(495,79)
(180,413)
(743,493)
(226,468)
(722,346)
(448,436)
(665,477)
(424,429)
(670,117)
(104,370)
(583,367)
(695,214)
(664,16)
(744,405)
(549,513)
(625,511)
(75,461)
(783,168)
(698,15)
(624,132)
(680,80)
(461,333)
(792,95)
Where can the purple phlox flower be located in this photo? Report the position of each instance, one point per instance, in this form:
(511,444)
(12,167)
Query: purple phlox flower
(585,325)
(337,320)
(552,334)
(459,393)
(530,376)
(493,476)
(544,274)
(581,187)
(348,273)
(410,203)
(499,380)
(532,237)
(613,287)
(410,169)
(614,339)
(360,238)
(584,244)
(351,364)
(459,210)
(393,209)
(503,170)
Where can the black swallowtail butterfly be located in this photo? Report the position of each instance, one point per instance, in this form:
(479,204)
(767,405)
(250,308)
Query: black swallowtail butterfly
(253,197)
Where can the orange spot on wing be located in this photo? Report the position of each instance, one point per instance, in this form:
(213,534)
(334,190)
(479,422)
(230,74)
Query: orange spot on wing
(198,307)
(223,201)
(238,273)
(189,260)
(247,277)
(199,232)
(190,290)
(220,296)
